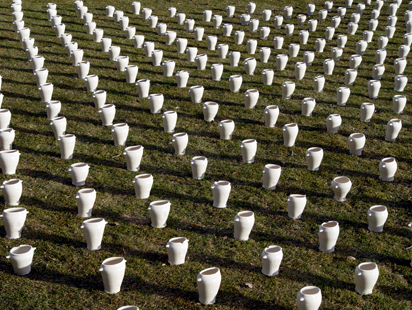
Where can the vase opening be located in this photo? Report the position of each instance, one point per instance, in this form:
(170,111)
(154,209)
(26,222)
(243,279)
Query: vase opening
(315,149)
(14,210)
(22,249)
(378,208)
(246,214)
(11,182)
(210,271)
(273,166)
(341,180)
(223,183)
(178,240)
(310,291)
(79,165)
(159,203)
(144,176)
(274,249)
(133,148)
(113,261)
(87,190)
(94,221)
(357,135)
(367,266)
(330,224)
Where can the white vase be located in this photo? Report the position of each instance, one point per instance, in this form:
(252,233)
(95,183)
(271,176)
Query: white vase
(31,52)
(112,270)
(93,232)
(180,141)
(130,72)
(367,36)
(281,61)
(90,26)
(289,29)
(210,109)
(176,250)
(341,41)
(98,35)
(360,7)
(251,98)
(133,156)
(199,165)
(328,66)
(387,169)
(348,3)
(288,88)
(201,61)
(322,15)
(226,128)
(121,63)
(85,199)
(211,42)
(21,258)
(342,96)
(222,50)
(329,32)
(310,9)
(9,159)
(155,103)
(180,18)
(235,82)
(251,45)
(157,56)
(243,225)
(189,24)
(377,216)
(378,71)
(328,236)
(198,33)
(314,156)
(318,83)
(152,20)
(290,132)
(287,12)
(217,71)
(58,124)
(333,122)
(300,70)
(373,23)
(264,33)
(366,276)
(161,29)
(301,19)
(67,143)
(390,31)
(13,221)
(366,111)
(148,47)
(400,65)
(361,47)
(46,92)
(248,149)
(91,82)
(341,187)
(159,211)
(373,88)
(296,205)
(12,190)
(271,259)
(398,103)
(71,46)
(169,121)
(355,61)
(29,42)
(221,192)
(239,36)
(244,19)
(308,105)
(99,98)
(356,143)
(234,57)
(207,16)
(5,117)
(336,53)
(308,57)
(278,20)
(309,298)
(267,76)
(227,30)
(380,56)
(37,62)
(400,82)
(143,87)
(196,93)
(7,136)
(335,22)
(208,284)
(181,78)
(253,25)
(168,67)
(217,21)
(278,42)
(350,76)
(76,56)
(271,115)
(407,37)
(78,173)
(110,10)
(138,41)
(24,33)
(83,68)
(120,132)
(352,27)
(264,54)
(130,32)
(143,185)
(312,25)
(170,37)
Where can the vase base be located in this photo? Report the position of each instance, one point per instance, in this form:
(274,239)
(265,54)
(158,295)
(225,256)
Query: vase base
(390,140)
(14,204)
(387,179)
(363,293)
(175,264)
(271,274)
(158,226)
(13,237)
(78,183)
(111,293)
(377,229)
(315,169)
(339,199)
(220,207)
(295,217)
(269,188)
(327,251)
(96,249)
(356,153)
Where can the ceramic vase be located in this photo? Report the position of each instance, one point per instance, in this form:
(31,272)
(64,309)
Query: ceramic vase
(243,223)
(296,205)
(387,169)
(267,76)
(380,56)
(341,40)
(67,143)
(264,33)
(333,122)
(199,165)
(99,98)
(288,88)
(251,98)
(366,111)
(130,32)
(314,156)
(143,87)
(373,24)
(235,82)
(390,31)
(21,258)
(196,93)
(312,25)
(217,71)
(378,71)
(78,173)
(9,159)
(335,22)
(337,53)
(301,19)
(24,33)
(271,115)
(180,141)
(309,298)
(367,36)
(168,67)
(308,105)
(341,187)
(58,124)
(399,65)
(159,212)
(83,68)
(361,47)
(170,37)
(189,24)
(7,136)
(211,42)
(130,72)
(366,276)
(112,270)
(161,29)
(226,128)
(5,117)
(176,250)
(244,19)
(253,25)
(69,47)
(271,175)
(281,61)
(133,156)
(239,36)
(148,47)
(90,27)
(169,121)
(352,27)
(400,82)
(152,20)
(98,35)
(93,232)
(329,32)
(76,56)
(300,70)
(308,57)
(356,143)
(198,33)
(278,42)
(234,57)
(143,185)
(310,9)
(323,14)
(328,66)
(155,103)
(210,109)
(12,190)
(398,103)
(46,92)
(271,259)
(251,45)
(222,50)
(289,29)
(355,61)
(138,41)
(318,83)
(157,56)
(290,132)
(217,21)
(181,78)
(180,18)
(31,52)
(13,221)
(208,284)
(248,148)
(377,216)
(120,132)
(407,37)
(201,61)
(342,96)
(91,82)
(350,76)
(264,54)
(227,30)
(207,16)
(221,192)
(328,236)
(37,62)
(287,12)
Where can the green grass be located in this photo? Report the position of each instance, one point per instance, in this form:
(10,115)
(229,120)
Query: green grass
(65,274)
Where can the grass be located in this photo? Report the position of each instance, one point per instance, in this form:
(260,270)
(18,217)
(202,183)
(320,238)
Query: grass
(65,274)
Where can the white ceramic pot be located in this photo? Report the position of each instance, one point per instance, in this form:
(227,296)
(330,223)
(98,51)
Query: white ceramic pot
(290,132)
(322,15)
(366,111)
(312,25)
(251,46)
(46,92)
(380,56)
(367,36)
(120,132)
(239,36)
(99,98)
(328,236)
(217,21)
(342,96)
(373,88)
(9,159)
(310,9)
(217,71)
(398,103)
(318,83)
(407,37)
(341,41)
(211,42)
(143,87)
(336,53)
(287,12)
(176,250)
(264,33)
(264,54)
(360,8)
(161,29)
(138,41)
(207,16)
(155,103)
(281,61)
(208,284)
(136,7)
(180,18)
(378,71)
(112,270)
(12,190)
(308,105)
(157,56)
(251,98)
(271,175)
(288,88)
(278,42)
(98,35)
(130,72)
(348,3)
(222,50)
(350,76)
(300,70)
(244,222)
(309,298)
(399,65)
(221,192)
(210,109)
(76,56)
(366,276)
(148,47)
(189,24)
(356,143)
(143,185)
(71,46)
(169,121)
(91,82)
(180,141)
(58,124)
(308,57)
(159,211)
(373,23)
(361,47)
(93,232)
(5,117)
(333,122)
(130,32)
(133,156)
(181,78)
(227,30)
(289,29)
(248,149)
(271,115)
(400,82)
(13,221)
(328,66)
(24,33)
(267,76)
(29,42)
(301,19)
(253,25)
(377,216)
(121,63)
(198,33)
(152,20)
(278,20)
(7,136)
(196,93)
(170,37)
(235,82)
(390,31)
(355,61)
(296,205)
(234,57)
(199,165)
(37,62)
(31,52)
(168,67)
(244,19)
(67,143)
(335,22)
(314,156)
(387,169)
(110,11)
(226,128)
(341,187)
(201,61)
(83,68)
(90,26)
(21,258)
(271,259)
(352,27)
(78,173)
(329,32)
